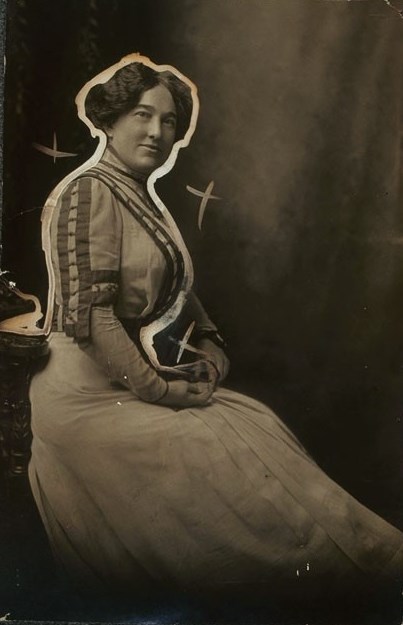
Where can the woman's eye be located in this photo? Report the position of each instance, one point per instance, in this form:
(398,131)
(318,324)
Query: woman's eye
(143,114)
(170,122)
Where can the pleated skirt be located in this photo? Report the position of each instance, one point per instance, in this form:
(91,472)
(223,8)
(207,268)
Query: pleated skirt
(207,499)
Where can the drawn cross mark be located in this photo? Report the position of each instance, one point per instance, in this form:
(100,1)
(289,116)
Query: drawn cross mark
(183,344)
(206,196)
(53,151)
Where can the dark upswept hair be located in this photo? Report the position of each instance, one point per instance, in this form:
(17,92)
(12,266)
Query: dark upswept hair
(106,102)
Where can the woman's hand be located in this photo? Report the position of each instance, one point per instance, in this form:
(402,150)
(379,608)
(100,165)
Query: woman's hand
(201,370)
(217,356)
(184,394)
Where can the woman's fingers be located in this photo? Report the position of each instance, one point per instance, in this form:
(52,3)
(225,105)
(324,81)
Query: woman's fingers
(216,355)
(194,387)
(199,387)
(182,394)
(225,367)
(220,365)
(200,391)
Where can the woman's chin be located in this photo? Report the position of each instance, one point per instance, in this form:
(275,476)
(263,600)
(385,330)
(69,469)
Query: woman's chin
(147,165)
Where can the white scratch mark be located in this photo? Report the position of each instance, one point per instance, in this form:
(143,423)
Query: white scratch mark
(183,343)
(206,196)
(22,213)
(119,403)
(398,11)
(307,566)
(297,573)
(53,151)
(5,617)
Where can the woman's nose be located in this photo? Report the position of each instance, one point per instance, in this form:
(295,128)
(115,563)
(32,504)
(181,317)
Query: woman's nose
(154,127)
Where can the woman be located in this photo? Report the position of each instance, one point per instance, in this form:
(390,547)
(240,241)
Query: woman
(148,471)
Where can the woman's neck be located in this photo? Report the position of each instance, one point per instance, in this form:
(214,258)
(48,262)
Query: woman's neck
(111,157)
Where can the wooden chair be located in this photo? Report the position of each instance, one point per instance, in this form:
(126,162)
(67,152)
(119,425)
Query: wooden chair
(19,355)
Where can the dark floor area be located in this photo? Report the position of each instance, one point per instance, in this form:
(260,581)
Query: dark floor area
(33,589)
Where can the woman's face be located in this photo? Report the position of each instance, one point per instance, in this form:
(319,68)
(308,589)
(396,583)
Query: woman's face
(143,138)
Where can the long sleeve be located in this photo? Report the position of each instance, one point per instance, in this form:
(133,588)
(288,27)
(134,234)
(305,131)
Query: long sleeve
(112,348)
(86,238)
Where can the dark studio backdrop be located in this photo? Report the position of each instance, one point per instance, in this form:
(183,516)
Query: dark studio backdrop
(300,262)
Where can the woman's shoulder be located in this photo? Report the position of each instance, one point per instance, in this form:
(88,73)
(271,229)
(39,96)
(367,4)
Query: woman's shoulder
(87,200)
(85,189)
(88,181)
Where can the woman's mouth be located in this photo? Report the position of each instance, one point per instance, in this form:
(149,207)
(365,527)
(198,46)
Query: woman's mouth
(153,148)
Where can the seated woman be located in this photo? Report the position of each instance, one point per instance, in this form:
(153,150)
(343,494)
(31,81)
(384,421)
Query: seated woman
(144,470)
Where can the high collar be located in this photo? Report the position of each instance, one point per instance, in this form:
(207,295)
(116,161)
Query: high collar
(111,157)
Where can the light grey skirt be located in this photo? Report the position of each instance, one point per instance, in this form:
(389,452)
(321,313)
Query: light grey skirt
(215,497)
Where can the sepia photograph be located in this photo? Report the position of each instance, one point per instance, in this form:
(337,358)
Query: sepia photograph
(201,300)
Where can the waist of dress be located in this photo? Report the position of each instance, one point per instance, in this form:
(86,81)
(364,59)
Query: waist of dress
(131,325)
(70,368)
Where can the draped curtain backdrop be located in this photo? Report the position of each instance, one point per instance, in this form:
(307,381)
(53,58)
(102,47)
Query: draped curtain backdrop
(301,260)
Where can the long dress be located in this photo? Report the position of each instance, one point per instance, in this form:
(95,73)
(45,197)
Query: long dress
(133,493)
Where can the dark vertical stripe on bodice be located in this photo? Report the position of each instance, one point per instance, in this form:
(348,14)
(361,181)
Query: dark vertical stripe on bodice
(84,286)
(73,248)
(62,247)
